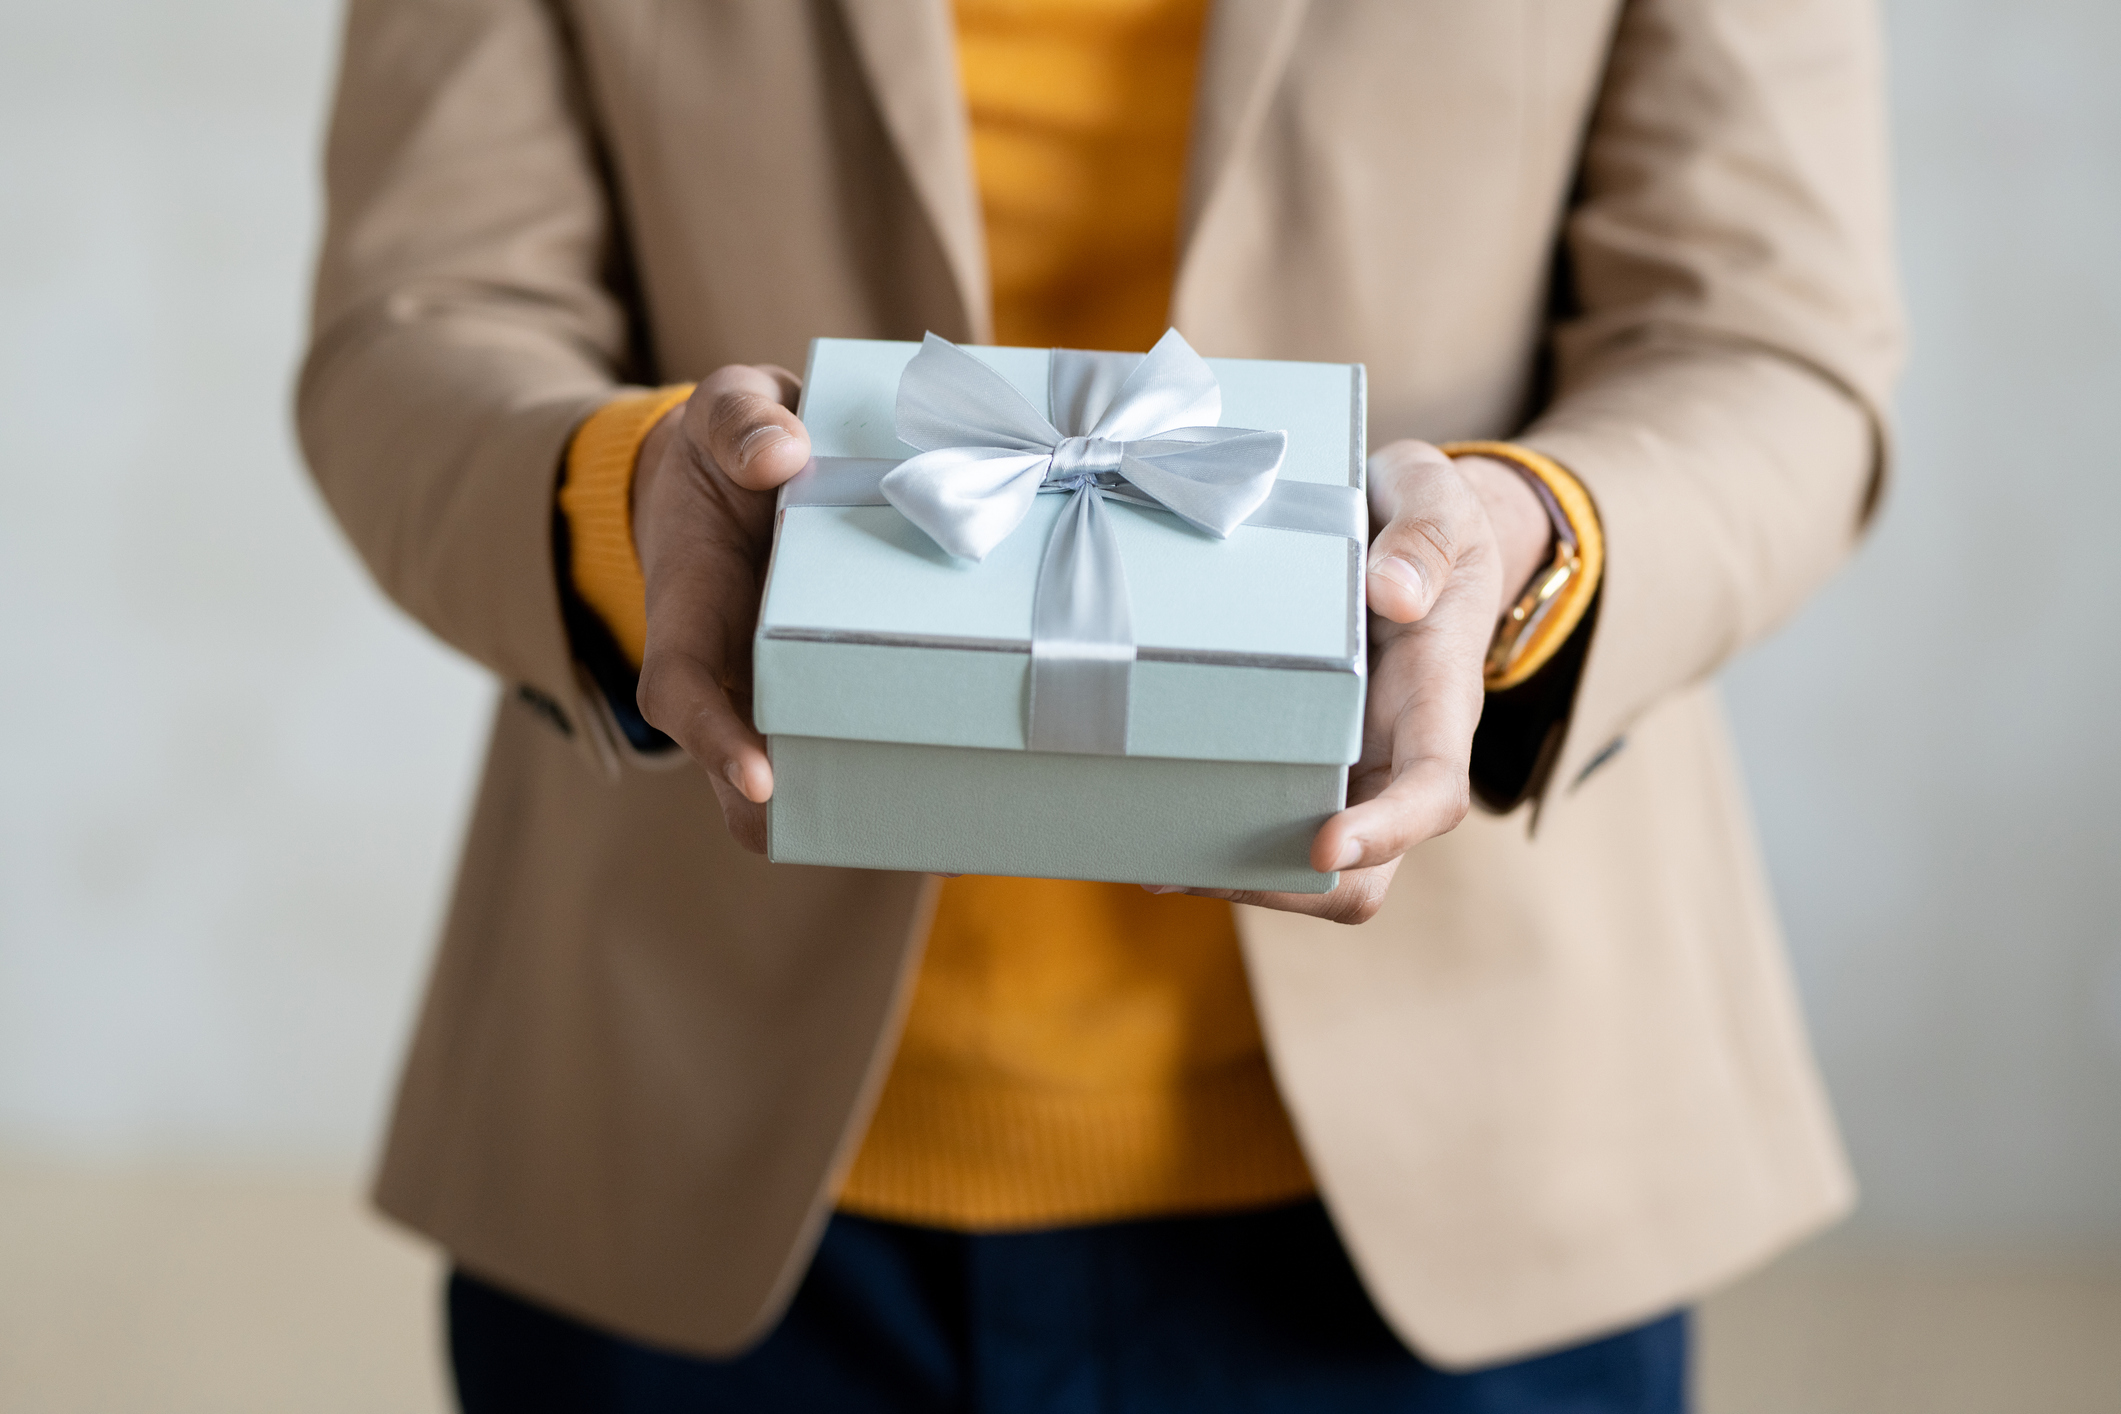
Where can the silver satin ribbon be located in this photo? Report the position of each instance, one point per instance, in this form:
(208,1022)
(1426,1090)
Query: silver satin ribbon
(1138,429)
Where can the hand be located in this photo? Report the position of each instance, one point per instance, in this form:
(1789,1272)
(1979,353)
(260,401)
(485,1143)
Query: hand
(702,523)
(1460,540)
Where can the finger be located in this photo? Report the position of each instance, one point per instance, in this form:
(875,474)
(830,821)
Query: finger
(1428,797)
(1431,518)
(1426,794)
(1355,899)
(739,418)
(1421,744)
(682,698)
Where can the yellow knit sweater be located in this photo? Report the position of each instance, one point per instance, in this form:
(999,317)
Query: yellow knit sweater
(1077,1052)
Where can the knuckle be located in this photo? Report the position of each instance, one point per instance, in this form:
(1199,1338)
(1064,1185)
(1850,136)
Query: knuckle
(667,693)
(1457,805)
(736,412)
(652,693)
(743,425)
(1428,535)
(1358,899)
(1426,543)
(1357,908)
(697,423)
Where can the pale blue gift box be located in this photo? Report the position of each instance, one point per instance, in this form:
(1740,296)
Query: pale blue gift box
(891,678)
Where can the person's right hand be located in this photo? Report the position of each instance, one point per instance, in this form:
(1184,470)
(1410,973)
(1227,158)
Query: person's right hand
(703,493)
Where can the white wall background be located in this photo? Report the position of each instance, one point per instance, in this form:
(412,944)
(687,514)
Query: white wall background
(231,777)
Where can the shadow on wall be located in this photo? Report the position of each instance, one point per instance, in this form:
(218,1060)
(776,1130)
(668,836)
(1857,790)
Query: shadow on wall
(1930,745)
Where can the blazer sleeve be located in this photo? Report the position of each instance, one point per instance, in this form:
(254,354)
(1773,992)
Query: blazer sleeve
(464,324)
(1733,330)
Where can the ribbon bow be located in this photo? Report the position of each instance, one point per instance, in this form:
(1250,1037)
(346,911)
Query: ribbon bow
(1141,431)
(985,452)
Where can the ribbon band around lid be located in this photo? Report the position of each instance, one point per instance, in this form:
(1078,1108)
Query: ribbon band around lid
(1142,430)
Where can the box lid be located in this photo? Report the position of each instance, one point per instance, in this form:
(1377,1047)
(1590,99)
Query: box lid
(1248,649)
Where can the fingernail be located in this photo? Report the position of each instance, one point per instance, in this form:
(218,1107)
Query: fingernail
(1349,854)
(735,773)
(761,439)
(1163,888)
(1399,572)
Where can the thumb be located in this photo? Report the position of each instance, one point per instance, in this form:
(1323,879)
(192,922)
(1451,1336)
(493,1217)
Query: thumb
(738,419)
(1434,517)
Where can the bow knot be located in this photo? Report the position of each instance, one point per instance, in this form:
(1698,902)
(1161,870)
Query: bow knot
(1080,461)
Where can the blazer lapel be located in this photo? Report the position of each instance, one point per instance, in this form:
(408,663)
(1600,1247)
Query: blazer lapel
(908,49)
(1247,46)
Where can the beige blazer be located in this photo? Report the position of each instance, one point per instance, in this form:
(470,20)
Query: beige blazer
(1560,1083)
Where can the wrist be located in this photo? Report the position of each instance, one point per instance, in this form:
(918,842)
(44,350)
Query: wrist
(1524,531)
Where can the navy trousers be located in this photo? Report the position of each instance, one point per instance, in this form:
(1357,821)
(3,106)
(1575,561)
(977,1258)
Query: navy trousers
(1255,1311)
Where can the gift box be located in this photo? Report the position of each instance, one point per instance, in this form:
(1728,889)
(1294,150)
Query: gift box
(1068,615)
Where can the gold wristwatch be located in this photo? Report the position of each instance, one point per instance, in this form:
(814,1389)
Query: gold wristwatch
(1553,602)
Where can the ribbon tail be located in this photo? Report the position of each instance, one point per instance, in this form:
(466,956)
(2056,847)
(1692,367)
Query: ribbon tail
(1082,636)
(838,481)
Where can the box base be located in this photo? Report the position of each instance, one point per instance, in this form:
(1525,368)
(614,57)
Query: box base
(1124,819)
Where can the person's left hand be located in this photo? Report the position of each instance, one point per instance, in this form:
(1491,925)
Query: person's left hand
(1461,538)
